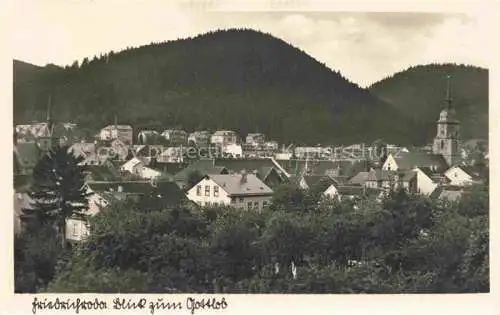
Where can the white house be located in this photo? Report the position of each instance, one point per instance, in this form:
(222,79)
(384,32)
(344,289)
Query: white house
(77,229)
(410,160)
(425,184)
(243,191)
(137,167)
(224,137)
(132,166)
(176,136)
(332,192)
(255,139)
(103,193)
(462,176)
(199,138)
(233,150)
(122,132)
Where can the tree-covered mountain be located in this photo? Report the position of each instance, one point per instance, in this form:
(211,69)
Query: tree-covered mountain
(234,79)
(420,92)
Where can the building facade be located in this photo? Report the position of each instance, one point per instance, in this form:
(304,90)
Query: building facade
(242,191)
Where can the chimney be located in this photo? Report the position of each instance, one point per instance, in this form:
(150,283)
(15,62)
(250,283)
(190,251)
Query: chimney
(243,176)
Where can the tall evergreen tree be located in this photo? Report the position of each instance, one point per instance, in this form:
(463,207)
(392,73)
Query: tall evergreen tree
(57,191)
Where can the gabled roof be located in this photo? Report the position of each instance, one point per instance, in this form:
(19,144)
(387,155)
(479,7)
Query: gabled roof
(475,173)
(82,149)
(410,160)
(359,179)
(235,186)
(132,162)
(167,190)
(316,167)
(320,181)
(379,175)
(450,193)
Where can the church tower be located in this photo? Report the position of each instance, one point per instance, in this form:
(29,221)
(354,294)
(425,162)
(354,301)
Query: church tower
(447,140)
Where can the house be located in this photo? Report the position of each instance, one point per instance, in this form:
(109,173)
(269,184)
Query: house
(271,145)
(410,160)
(137,167)
(85,150)
(150,151)
(122,132)
(232,150)
(175,137)
(265,169)
(149,137)
(224,137)
(313,152)
(172,155)
(425,183)
(321,182)
(31,132)
(243,191)
(350,192)
(463,175)
(199,138)
(448,193)
(386,180)
(255,139)
(104,193)
(315,167)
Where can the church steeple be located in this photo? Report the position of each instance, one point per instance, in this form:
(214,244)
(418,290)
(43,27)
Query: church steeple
(49,116)
(448,92)
(447,140)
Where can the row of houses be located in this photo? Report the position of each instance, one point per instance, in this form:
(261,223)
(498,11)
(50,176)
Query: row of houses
(181,137)
(249,183)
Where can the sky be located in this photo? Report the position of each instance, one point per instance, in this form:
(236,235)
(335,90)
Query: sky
(364,46)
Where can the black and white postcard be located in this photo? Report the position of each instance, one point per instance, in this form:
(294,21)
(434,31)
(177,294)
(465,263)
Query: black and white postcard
(229,156)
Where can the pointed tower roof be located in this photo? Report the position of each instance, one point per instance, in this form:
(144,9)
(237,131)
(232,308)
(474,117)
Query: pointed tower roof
(447,114)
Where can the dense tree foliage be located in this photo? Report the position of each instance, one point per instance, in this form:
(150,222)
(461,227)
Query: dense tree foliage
(235,79)
(404,244)
(57,191)
(419,92)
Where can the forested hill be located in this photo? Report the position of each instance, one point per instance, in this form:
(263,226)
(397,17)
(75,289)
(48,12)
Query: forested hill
(235,79)
(420,93)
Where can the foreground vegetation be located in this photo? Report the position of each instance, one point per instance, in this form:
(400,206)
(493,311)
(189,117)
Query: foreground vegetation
(405,244)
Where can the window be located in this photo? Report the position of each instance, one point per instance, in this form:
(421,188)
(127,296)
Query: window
(215,204)
(233,200)
(207,191)
(75,229)
(216,191)
(264,203)
(241,199)
(198,190)
(442,144)
(249,205)
(256,205)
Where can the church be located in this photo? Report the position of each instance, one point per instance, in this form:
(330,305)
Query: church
(447,140)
